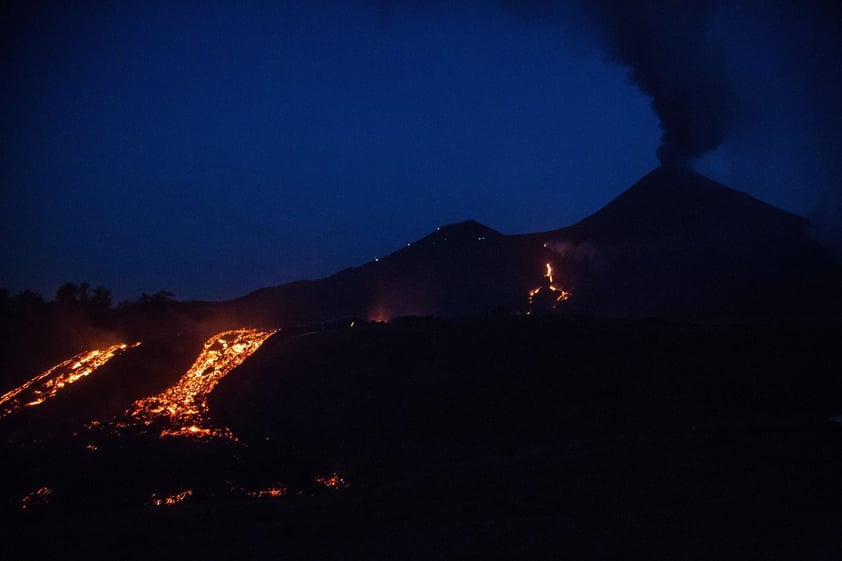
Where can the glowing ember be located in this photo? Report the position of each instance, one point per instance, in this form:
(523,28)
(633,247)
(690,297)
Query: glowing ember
(184,406)
(47,384)
(559,293)
(276,490)
(41,496)
(334,482)
(171,500)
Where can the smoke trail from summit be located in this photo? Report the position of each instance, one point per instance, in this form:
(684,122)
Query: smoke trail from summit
(667,47)
(671,58)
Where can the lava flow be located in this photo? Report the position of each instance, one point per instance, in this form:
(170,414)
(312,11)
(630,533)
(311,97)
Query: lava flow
(47,384)
(184,406)
(39,497)
(560,294)
(276,490)
(171,500)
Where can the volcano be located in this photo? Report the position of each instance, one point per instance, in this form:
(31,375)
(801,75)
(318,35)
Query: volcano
(458,270)
(679,245)
(530,428)
(674,245)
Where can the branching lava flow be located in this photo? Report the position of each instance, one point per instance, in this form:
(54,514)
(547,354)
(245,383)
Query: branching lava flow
(184,406)
(47,384)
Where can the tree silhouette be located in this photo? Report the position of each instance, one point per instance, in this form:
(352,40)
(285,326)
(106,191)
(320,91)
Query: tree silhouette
(158,302)
(101,298)
(67,295)
(84,296)
(71,296)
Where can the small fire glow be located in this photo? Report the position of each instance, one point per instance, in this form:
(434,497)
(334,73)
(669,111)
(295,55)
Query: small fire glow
(560,294)
(276,490)
(41,496)
(532,294)
(171,500)
(334,481)
(185,405)
(47,384)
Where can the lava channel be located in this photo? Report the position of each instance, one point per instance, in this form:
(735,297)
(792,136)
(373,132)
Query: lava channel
(184,406)
(47,384)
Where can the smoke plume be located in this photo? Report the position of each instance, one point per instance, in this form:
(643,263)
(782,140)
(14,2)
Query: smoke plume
(667,48)
(671,57)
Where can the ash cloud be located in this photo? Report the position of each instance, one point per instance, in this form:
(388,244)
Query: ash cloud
(670,53)
(746,92)
(671,57)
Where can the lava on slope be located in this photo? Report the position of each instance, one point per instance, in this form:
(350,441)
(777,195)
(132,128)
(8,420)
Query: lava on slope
(184,406)
(47,384)
(559,294)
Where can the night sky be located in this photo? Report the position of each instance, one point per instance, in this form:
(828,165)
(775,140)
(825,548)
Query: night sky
(214,148)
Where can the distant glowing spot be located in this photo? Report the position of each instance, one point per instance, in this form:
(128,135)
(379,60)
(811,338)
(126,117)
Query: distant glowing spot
(560,293)
(171,500)
(334,481)
(276,490)
(41,496)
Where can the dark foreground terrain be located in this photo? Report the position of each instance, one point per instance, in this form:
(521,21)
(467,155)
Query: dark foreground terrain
(498,438)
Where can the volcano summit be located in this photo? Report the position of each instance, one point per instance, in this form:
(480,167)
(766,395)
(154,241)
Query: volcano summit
(674,245)
(522,412)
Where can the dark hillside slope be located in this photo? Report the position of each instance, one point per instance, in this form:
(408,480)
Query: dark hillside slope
(525,437)
(460,269)
(677,244)
(674,245)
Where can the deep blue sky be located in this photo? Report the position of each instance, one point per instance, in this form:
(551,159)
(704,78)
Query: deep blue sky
(212,148)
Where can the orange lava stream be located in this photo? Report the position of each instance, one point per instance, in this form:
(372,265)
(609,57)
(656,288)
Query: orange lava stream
(185,405)
(171,500)
(276,490)
(40,496)
(561,294)
(334,481)
(47,384)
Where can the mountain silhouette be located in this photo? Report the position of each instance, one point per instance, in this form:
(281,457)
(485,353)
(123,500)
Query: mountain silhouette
(674,245)
(509,424)
(459,269)
(677,244)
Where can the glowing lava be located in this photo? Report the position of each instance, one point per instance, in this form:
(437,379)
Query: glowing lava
(184,406)
(41,496)
(560,294)
(276,490)
(335,481)
(47,384)
(171,500)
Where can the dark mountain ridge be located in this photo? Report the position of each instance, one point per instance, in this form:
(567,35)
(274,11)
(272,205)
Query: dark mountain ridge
(674,245)
(492,437)
(677,244)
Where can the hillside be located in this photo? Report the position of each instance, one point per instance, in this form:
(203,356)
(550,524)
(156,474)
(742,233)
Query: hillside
(674,245)
(503,438)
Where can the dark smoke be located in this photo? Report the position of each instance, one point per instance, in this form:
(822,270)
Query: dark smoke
(667,47)
(666,44)
(767,74)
